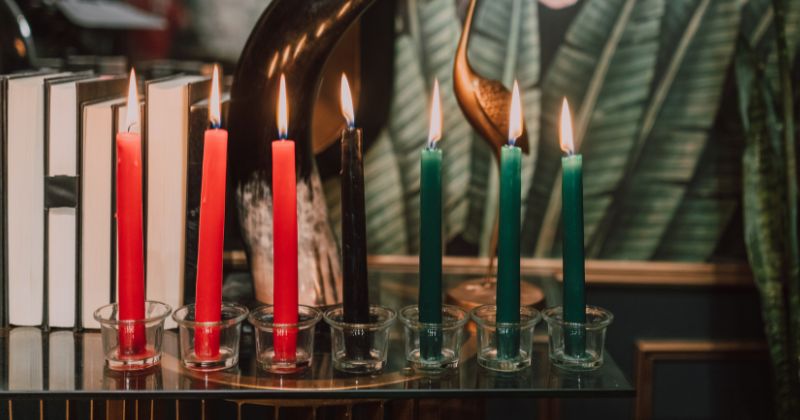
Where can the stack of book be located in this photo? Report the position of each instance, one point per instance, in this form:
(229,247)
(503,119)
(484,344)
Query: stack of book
(58,163)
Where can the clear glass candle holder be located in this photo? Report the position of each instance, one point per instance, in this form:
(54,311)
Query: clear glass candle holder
(577,346)
(210,346)
(360,348)
(284,348)
(132,344)
(433,346)
(505,346)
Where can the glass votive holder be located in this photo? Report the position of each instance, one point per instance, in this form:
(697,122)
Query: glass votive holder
(432,347)
(505,346)
(284,348)
(360,348)
(210,346)
(577,346)
(132,344)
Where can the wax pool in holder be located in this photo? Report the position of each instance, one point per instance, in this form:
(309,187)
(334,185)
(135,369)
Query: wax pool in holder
(209,329)
(577,331)
(505,331)
(131,328)
(359,331)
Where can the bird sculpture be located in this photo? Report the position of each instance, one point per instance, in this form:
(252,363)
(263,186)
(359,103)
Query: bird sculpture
(485,102)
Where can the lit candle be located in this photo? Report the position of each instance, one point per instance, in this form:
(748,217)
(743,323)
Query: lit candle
(508,233)
(284,234)
(430,246)
(354,228)
(572,252)
(129,228)
(212,229)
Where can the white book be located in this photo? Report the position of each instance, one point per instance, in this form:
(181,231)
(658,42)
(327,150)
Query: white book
(167,138)
(25,368)
(61,361)
(97,146)
(62,241)
(92,361)
(25,198)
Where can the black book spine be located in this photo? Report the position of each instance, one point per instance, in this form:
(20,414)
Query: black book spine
(198,123)
(3,189)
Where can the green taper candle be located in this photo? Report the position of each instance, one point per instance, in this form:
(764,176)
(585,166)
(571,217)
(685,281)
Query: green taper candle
(508,235)
(572,252)
(430,236)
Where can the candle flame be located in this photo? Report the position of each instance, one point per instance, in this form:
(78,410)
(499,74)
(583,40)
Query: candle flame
(565,134)
(214,111)
(515,122)
(347,103)
(133,104)
(435,129)
(283,111)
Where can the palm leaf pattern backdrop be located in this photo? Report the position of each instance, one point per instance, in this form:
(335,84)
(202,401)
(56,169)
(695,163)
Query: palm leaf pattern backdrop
(649,83)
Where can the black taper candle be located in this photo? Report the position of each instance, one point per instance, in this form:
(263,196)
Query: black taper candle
(354,230)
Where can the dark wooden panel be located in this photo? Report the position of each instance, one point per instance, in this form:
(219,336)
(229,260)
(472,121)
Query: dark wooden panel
(89,409)
(165,409)
(26,409)
(257,412)
(55,409)
(189,410)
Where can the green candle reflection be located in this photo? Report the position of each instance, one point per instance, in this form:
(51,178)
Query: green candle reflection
(430,247)
(508,234)
(573,258)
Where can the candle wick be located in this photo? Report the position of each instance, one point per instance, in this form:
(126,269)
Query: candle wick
(130,126)
(215,124)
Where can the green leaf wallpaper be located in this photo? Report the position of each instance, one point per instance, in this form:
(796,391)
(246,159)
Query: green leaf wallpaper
(674,130)
(656,116)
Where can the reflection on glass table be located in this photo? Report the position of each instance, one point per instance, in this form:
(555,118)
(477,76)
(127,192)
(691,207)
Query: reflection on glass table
(68,365)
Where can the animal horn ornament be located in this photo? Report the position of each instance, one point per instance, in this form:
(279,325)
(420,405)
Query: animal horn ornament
(294,38)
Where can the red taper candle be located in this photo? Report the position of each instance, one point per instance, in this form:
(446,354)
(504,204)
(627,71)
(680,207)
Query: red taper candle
(130,247)
(284,234)
(208,296)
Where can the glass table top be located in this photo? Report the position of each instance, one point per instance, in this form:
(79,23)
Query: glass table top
(64,364)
